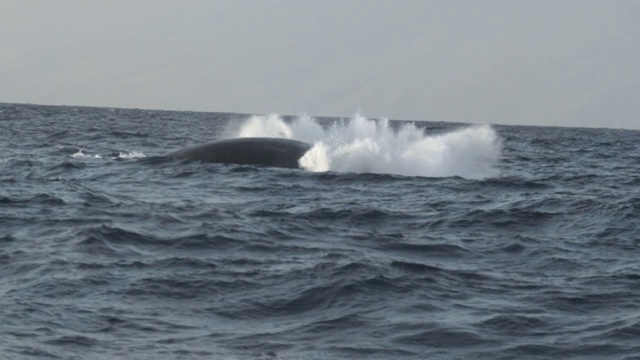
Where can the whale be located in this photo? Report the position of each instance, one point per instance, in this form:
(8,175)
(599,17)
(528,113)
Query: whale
(276,152)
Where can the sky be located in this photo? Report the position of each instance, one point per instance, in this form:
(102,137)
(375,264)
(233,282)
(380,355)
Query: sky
(537,62)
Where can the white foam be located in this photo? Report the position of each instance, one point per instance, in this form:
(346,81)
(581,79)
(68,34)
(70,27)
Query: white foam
(122,155)
(81,155)
(367,146)
(131,155)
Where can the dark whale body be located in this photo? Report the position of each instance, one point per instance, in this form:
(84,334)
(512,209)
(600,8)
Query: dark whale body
(249,151)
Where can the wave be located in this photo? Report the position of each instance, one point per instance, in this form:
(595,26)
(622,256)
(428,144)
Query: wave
(362,145)
(130,155)
(82,154)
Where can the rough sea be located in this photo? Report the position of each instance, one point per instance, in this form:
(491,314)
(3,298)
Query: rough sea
(396,240)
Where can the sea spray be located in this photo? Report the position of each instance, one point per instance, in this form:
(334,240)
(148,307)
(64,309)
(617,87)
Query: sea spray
(363,145)
(304,128)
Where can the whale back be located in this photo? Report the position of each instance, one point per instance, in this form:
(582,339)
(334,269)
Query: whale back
(249,151)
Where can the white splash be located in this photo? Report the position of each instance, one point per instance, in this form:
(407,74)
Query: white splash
(81,155)
(367,146)
(131,155)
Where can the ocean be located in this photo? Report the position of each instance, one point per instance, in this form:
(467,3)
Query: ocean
(395,240)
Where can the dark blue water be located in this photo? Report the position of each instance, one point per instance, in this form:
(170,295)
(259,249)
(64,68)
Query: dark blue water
(503,242)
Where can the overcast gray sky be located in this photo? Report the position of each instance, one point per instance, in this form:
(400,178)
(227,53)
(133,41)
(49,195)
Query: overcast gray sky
(535,62)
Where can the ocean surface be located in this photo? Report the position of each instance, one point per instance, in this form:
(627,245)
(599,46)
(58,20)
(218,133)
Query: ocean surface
(396,240)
